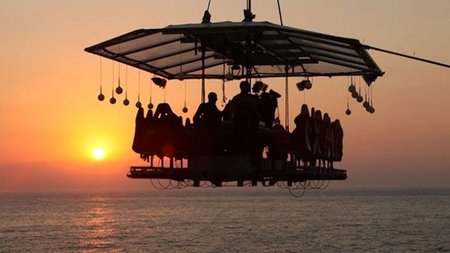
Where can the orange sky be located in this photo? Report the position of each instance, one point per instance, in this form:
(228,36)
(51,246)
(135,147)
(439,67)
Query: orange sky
(50,120)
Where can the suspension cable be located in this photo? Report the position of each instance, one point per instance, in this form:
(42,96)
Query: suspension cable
(279,12)
(407,56)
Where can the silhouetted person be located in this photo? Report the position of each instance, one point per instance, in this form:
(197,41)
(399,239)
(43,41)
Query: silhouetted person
(324,139)
(207,124)
(138,142)
(166,117)
(338,137)
(269,104)
(245,118)
(207,113)
(301,134)
(168,125)
(317,133)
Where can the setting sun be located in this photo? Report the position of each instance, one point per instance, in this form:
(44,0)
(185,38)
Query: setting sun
(98,154)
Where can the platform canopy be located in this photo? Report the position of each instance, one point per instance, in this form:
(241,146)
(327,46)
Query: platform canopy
(244,49)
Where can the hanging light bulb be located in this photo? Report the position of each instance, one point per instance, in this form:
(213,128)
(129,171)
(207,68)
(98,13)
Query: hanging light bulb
(185,109)
(351,88)
(112,100)
(308,84)
(126,102)
(348,111)
(355,94)
(119,89)
(138,104)
(100,96)
(360,98)
(366,104)
(301,85)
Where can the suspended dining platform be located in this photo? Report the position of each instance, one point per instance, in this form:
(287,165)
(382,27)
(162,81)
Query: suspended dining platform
(238,169)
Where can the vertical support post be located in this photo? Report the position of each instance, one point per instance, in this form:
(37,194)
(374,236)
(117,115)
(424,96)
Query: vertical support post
(203,73)
(286,106)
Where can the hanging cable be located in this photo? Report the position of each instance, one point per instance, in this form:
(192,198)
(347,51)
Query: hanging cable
(150,104)
(100,96)
(138,103)
(279,12)
(206,15)
(185,109)
(406,56)
(348,111)
(112,100)
(119,89)
(126,101)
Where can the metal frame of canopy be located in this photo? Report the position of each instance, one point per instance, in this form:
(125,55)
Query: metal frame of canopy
(259,49)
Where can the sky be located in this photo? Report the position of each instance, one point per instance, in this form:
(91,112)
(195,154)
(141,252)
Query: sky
(51,121)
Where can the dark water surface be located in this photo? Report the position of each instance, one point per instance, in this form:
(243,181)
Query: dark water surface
(221,220)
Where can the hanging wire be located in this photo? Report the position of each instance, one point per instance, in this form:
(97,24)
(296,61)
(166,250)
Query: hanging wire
(304,97)
(113,72)
(100,96)
(112,100)
(150,104)
(348,111)
(119,89)
(126,101)
(185,109)
(164,95)
(138,103)
(359,98)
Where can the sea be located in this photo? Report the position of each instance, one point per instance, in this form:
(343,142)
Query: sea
(228,220)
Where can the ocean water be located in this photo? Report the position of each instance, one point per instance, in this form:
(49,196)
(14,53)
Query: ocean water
(224,220)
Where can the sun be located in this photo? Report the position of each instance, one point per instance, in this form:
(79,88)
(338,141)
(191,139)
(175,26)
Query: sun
(98,154)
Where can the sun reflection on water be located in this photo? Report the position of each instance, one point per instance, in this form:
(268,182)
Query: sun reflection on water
(98,230)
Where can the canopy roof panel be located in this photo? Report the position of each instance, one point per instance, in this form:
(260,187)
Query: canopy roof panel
(255,49)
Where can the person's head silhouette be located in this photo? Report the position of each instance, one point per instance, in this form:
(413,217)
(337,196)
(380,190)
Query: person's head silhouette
(212,97)
(245,87)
